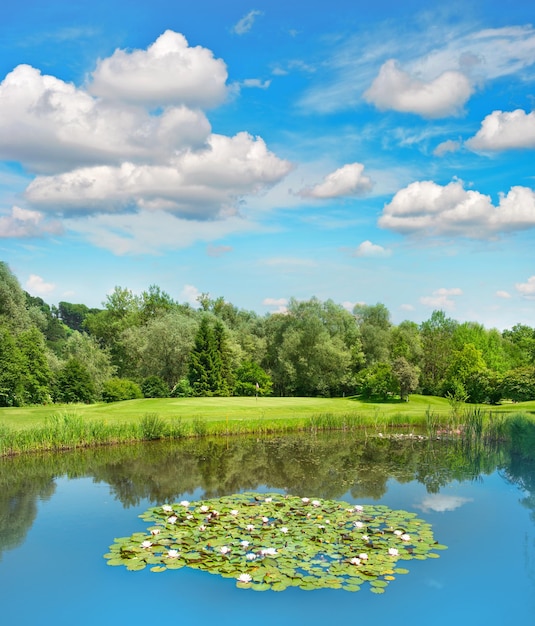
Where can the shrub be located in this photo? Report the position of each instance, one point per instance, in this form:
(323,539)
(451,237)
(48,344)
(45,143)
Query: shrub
(182,389)
(117,389)
(155,387)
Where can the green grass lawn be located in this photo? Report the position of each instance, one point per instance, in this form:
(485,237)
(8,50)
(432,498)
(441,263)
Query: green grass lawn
(241,409)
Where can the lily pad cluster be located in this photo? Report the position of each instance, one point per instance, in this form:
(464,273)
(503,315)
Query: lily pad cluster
(276,541)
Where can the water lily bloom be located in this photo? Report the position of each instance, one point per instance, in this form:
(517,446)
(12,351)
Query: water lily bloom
(363,556)
(172,519)
(354,561)
(268,500)
(365,538)
(398,532)
(284,529)
(406,537)
(358,524)
(305,500)
(155,531)
(184,503)
(146,544)
(316,503)
(393,551)
(234,512)
(245,578)
(167,508)
(268,551)
(244,543)
(359,508)
(202,527)
(189,516)
(172,554)
(250,556)
(249,527)
(265,520)
(204,508)
(224,549)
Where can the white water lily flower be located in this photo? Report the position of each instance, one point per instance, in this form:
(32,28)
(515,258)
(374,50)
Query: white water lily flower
(406,537)
(354,561)
(265,520)
(244,543)
(202,527)
(316,503)
(172,554)
(268,500)
(358,508)
(245,578)
(250,556)
(268,551)
(189,516)
(284,529)
(363,556)
(234,512)
(167,508)
(305,500)
(155,531)
(358,524)
(365,538)
(146,544)
(321,526)
(224,549)
(249,527)
(398,532)
(172,519)
(204,508)
(184,503)
(393,551)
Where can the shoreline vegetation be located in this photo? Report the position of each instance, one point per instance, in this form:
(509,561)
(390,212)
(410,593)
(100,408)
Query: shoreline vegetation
(53,428)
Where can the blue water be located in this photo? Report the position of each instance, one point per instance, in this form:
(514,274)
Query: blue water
(57,575)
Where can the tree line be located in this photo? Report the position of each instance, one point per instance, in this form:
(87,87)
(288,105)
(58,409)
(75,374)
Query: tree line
(149,345)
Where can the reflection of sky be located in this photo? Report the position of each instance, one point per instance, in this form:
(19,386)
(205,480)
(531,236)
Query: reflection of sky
(441,503)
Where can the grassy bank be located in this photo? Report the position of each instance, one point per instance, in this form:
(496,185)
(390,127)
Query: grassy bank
(59,428)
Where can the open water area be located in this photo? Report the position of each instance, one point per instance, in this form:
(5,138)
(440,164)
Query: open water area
(59,513)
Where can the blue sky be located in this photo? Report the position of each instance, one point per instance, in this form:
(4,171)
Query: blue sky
(360,151)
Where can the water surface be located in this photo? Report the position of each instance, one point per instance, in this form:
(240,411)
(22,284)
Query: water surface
(60,513)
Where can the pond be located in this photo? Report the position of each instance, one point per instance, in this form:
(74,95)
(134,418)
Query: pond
(59,513)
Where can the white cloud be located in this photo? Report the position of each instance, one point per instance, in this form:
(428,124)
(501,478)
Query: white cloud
(503,294)
(527,289)
(246,23)
(427,209)
(201,184)
(406,307)
(289,263)
(36,285)
(447,146)
(396,89)
(168,72)
(348,180)
(217,251)
(505,130)
(442,503)
(369,249)
(255,83)
(25,223)
(49,125)
(441,298)
(190,294)
(153,232)
(278,305)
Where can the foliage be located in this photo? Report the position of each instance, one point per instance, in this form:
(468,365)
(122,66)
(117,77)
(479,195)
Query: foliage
(209,372)
(154,387)
(74,383)
(519,384)
(11,383)
(182,389)
(377,381)
(406,375)
(117,389)
(252,380)
(273,541)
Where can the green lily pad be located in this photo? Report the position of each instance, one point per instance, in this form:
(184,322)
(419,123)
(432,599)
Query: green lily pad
(275,541)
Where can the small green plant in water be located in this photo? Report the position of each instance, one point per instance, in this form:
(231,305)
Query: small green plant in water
(275,541)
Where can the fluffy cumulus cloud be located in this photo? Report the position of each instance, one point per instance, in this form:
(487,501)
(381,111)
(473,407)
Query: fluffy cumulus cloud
(38,286)
(134,139)
(503,294)
(24,223)
(527,289)
(369,249)
(447,146)
(276,305)
(441,298)
(393,88)
(169,71)
(425,208)
(505,130)
(348,180)
(197,184)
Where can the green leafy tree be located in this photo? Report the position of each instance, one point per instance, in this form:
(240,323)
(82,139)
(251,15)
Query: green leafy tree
(36,376)
(437,337)
(375,331)
(519,384)
(11,366)
(13,310)
(377,381)
(73,315)
(96,360)
(252,380)
(406,375)
(74,383)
